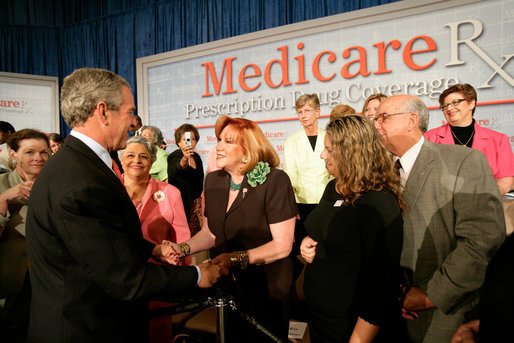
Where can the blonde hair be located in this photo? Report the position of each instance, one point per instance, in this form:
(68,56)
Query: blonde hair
(246,133)
(362,160)
(378,96)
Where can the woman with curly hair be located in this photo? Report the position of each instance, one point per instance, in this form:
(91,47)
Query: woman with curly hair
(355,238)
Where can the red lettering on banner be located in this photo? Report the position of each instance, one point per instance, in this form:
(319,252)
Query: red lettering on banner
(243,77)
(301,66)
(9,103)
(285,70)
(363,69)
(382,69)
(407,52)
(209,69)
(225,79)
(315,65)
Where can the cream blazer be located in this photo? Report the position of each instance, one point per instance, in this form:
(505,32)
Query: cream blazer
(305,167)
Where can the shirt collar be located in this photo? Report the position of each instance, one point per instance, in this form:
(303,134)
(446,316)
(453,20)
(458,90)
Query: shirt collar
(98,149)
(408,159)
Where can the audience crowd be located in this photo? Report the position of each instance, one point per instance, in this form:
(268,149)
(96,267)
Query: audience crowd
(400,231)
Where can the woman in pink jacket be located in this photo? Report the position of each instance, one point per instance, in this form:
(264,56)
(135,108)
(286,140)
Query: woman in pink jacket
(160,211)
(458,104)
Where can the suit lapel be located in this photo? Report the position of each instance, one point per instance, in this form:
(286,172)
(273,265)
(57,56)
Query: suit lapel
(418,175)
(81,148)
(481,138)
(241,196)
(320,143)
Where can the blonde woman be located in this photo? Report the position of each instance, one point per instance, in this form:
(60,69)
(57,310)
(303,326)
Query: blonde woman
(249,220)
(370,108)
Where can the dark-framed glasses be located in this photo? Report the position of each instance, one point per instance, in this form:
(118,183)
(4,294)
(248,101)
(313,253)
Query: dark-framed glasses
(454,103)
(381,117)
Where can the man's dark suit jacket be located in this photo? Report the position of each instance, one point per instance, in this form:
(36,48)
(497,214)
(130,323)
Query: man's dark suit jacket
(90,275)
(497,297)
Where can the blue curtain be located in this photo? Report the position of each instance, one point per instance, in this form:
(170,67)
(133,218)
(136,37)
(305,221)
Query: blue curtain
(54,37)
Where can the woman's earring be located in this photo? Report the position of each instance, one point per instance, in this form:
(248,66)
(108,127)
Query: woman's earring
(244,159)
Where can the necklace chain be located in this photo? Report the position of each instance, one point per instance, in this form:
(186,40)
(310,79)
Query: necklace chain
(458,140)
(234,186)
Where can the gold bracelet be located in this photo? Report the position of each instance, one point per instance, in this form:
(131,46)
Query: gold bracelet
(185,249)
(240,258)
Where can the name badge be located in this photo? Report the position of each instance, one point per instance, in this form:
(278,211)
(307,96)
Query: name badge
(338,203)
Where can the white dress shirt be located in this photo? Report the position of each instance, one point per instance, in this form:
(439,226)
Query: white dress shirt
(408,159)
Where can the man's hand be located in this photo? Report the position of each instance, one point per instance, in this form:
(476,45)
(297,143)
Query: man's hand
(211,273)
(467,333)
(415,300)
(166,253)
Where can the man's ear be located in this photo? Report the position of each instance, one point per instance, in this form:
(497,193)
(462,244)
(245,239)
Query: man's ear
(413,121)
(102,112)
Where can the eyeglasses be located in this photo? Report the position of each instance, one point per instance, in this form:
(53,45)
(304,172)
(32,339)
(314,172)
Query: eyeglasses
(381,117)
(454,103)
(306,112)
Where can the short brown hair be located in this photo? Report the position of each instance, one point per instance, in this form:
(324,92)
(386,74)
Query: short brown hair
(255,145)
(83,89)
(340,111)
(311,99)
(183,129)
(55,137)
(14,140)
(465,89)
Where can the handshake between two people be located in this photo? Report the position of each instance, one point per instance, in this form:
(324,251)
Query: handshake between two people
(211,270)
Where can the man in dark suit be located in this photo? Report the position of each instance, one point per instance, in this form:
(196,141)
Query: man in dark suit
(91,279)
(453,222)
(496,302)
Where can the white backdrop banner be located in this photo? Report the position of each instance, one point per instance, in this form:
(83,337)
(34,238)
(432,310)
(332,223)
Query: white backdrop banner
(29,101)
(413,47)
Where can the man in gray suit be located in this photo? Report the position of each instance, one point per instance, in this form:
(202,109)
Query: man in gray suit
(453,222)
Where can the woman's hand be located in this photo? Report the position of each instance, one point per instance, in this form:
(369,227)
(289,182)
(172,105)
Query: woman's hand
(20,190)
(187,150)
(308,249)
(188,158)
(223,260)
